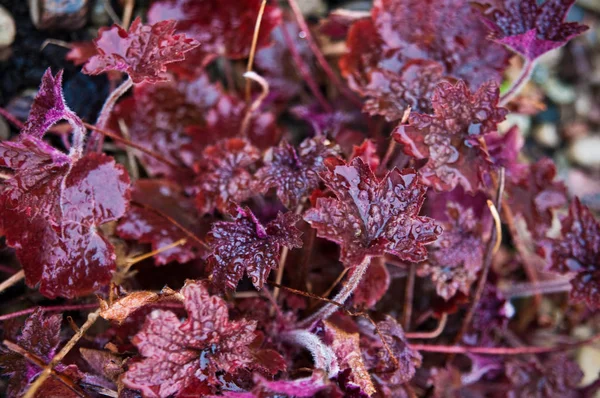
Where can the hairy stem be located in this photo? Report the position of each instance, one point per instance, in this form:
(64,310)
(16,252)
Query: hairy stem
(12,280)
(261,11)
(96,140)
(354,277)
(519,83)
(61,354)
(323,355)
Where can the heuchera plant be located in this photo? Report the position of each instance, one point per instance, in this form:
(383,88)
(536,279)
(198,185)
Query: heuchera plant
(306,236)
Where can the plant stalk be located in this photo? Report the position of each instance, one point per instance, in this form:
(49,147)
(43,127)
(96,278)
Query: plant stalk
(519,83)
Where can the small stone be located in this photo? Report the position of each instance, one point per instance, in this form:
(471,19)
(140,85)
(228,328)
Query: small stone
(523,122)
(8,29)
(59,15)
(547,135)
(585,151)
(559,92)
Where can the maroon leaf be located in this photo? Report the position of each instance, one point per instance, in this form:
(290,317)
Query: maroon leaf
(579,251)
(367,151)
(534,194)
(370,216)
(40,336)
(142,52)
(449,137)
(81,52)
(178,353)
(504,151)
(49,107)
(532,30)
(147,226)
(294,171)
(223,175)
(457,256)
(246,246)
(224,28)
(373,285)
(394,64)
(55,231)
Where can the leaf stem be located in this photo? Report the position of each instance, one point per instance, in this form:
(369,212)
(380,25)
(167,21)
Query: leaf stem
(256,103)
(408,296)
(487,262)
(430,335)
(283,258)
(261,12)
(92,317)
(354,277)
(55,308)
(518,84)
(12,280)
(96,140)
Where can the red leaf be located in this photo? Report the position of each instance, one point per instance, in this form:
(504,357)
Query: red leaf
(532,30)
(370,216)
(395,64)
(534,195)
(373,285)
(223,175)
(142,52)
(579,251)
(55,231)
(224,28)
(81,52)
(147,226)
(457,256)
(40,336)
(294,171)
(367,151)
(178,353)
(449,137)
(246,246)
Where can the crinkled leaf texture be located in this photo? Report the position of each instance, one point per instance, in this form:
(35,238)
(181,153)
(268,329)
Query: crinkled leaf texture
(370,217)
(457,256)
(147,226)
(142,52)
(54,204)
(449,139)
(246,246)
(177,353)
(294,171)
(223,27)
(531,29)
(578,251)
(395,64)
(223,174)
(534,195)
(40,336)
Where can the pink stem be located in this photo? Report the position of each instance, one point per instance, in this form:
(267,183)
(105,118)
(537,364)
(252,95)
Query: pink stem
(11,118)
(56,308)
(519,83)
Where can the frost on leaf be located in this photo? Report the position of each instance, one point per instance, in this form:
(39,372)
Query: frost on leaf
(147,226)
(457,256)
(49,107)
(51,212)
(294,171)
(142,52)
(223,27)
(395,64)
(557,376)
(246,246)
(449,138)
(156,116)
(223,174)
(529,29)
(178,353)
(369,216)
(534,195)
(40,336)
(579,252)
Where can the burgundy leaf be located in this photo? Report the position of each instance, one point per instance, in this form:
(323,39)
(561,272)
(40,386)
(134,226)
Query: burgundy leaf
(142,52)
(395,64)
(367,151)
(177,353)
(534,194)
(147,226)
(504,151)
(246,246)
(531,29)
(81,52)
(449,138)
(370,216)
(55,231)
(224,28)
(579,251)
(223,174)
(457,256)
(373,285)
(40,336)
(294,171)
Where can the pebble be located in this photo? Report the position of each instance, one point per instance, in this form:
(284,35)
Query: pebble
(585,151)
(547,135)
(8,29)
(523,122)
